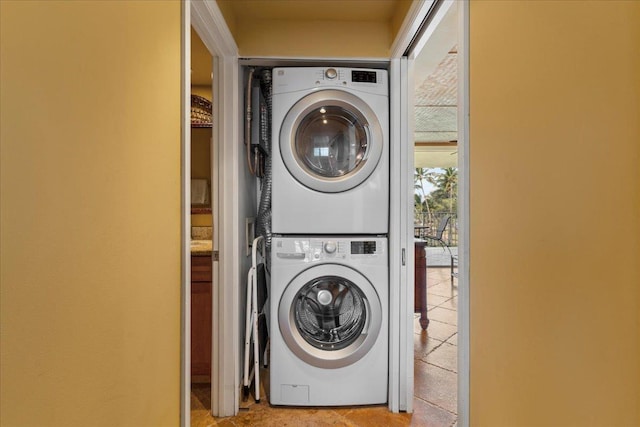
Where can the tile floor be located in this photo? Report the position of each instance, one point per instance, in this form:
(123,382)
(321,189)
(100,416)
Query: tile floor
(434,403)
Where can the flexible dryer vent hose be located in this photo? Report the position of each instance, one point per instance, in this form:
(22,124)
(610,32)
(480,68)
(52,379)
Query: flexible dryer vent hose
(263,223)
(247,121)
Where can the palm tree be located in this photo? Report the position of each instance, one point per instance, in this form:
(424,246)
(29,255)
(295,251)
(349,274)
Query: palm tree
(420,177)
(448,182)
(418,207)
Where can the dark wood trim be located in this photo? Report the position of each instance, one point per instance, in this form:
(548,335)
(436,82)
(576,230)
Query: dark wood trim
(437,144)
(202,210)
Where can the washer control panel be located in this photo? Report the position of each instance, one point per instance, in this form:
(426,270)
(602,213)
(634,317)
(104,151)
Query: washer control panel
(328,248)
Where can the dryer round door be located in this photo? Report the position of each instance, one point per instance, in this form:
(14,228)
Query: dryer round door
(331,141)
(330,316)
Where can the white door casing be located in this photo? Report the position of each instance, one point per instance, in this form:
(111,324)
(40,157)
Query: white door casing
(401,196)
(464,216)
(207,20)
(396,252)
(185,218)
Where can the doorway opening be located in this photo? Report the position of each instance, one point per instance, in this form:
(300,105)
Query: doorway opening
(439,218)
(202,229)
(230,190)
(235,210)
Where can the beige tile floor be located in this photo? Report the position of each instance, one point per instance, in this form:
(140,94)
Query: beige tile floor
(434,403)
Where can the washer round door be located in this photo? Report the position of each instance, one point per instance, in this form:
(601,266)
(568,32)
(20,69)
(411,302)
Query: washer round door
(331,141)
(330,316)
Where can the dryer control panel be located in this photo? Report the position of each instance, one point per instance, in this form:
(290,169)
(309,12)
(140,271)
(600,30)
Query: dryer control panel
(369,80)
(330,248)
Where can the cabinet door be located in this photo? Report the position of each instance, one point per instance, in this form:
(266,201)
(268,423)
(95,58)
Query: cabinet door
(200,269)
(201,328)
(201,317)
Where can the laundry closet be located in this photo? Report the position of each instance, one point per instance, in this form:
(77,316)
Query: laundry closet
(317,297)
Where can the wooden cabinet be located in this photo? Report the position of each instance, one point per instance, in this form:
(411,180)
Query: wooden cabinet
(201,317)
(420,283)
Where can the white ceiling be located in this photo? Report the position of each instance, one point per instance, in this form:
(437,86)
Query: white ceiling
(435,104)
(436,79)
(436,156)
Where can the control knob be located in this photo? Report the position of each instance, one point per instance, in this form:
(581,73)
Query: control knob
(330,247)
(331,73)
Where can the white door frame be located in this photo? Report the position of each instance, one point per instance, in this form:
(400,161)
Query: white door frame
(210,25)
(464,197)
(185,217)
(207,20)
(403,185)
(396,269)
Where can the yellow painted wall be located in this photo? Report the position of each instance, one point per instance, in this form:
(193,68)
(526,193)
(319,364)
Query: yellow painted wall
(227,9)
(201,153)
(90,213)
(401,10)
(201,63)
(555,213)
(201,220)
(333,39)
(312,28)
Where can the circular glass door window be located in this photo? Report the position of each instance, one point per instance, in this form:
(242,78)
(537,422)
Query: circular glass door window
(331,141)
(330,312)
(330,316)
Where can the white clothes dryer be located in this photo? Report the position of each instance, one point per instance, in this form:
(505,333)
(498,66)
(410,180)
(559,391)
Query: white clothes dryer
(330,151)
(329,321)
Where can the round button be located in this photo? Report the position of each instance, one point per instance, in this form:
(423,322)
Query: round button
(331,73)
(330,247)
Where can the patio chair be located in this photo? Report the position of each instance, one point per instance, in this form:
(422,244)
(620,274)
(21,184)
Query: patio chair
(454,269)
(439,232)
(438,238)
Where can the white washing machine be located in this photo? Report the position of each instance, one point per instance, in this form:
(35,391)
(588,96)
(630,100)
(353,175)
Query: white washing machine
(329,321)
(331,151)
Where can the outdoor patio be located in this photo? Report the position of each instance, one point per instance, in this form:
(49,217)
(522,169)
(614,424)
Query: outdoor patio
(426,230)
(439,257)
(436,348)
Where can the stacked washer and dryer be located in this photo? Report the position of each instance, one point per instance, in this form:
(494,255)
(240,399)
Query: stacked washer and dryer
(329,299)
